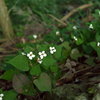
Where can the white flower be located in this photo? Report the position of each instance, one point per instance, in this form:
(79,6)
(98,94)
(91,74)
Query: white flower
(52,50)
(61,39)
(1,98)
(57,33)
(74,27)
(75,38)
(30,55)
(1,95)
(99,13)
(42,54)
(35,36)
(98,44)
(23,53)
(91,26)
(39,60)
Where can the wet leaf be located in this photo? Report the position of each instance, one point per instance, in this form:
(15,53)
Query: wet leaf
(22,84)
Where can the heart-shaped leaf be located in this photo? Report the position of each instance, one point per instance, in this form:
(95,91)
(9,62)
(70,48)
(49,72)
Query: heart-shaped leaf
(47,61)
(43,83)
(36,70)
(22,84)
(20,62)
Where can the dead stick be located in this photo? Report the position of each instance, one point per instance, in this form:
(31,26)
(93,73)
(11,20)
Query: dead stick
(76,10)
(57,19)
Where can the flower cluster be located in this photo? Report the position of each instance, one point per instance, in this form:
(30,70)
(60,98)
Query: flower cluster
(42,54)
(1,96)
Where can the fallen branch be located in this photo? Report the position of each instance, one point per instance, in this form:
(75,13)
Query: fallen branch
(76,10)
(57,20)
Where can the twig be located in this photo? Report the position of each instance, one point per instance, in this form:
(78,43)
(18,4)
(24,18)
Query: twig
(76,10)
(13,7)
(57,19)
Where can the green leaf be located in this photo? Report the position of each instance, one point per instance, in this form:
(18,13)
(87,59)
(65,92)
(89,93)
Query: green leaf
(66,45)
(43,83)
(27,49)
(97,37)
(58,51)
(67,50)
(75,54)
(9,95)
(48,61)
(90,61)
(42,47)
(95,47)
(87,48)
(20,62)
(8,75)
(22,84)
(79,41)
(36,70)
(54,68)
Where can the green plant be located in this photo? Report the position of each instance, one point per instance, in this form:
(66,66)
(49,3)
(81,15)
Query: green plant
(36,67)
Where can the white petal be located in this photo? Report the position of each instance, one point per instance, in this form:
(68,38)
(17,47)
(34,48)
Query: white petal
(54,50)
(1,94)
(40,61)
(98,44)
(1,98)
(33,56)
(51,52)
(23,53)
(39,53)
(41,56)
(43,51)
(50,48)
(30,57)
(31,52)
(45,55)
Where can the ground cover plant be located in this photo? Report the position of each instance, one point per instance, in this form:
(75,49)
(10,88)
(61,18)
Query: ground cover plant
(45,61)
